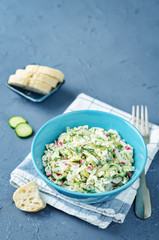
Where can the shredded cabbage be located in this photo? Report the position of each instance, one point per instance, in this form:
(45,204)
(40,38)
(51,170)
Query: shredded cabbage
(89,160)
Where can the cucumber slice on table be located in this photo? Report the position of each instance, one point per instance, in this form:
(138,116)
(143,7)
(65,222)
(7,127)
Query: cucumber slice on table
(23,130)
(14,121)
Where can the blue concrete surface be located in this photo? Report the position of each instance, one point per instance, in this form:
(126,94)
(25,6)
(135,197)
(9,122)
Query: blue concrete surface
(107,49)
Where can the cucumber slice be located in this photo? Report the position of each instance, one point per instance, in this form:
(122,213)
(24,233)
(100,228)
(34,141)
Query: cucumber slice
(14,121)
(23,130)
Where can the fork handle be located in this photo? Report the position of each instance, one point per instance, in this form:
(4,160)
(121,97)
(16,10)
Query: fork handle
(143,202)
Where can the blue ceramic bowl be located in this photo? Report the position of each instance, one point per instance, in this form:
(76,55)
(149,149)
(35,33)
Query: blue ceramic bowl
(53,128)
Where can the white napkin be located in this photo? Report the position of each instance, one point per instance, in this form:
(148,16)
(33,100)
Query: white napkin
(99,214)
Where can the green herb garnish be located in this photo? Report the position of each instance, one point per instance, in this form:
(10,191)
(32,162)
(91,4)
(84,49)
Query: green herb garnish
(90,150)
(56,158)
(62,178)
(119,147)
(98,163)
(89,191)
(77,150)
(111,134)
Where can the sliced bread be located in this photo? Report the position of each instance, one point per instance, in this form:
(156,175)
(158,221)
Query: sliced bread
(27,198)
(37,76)
(46,70)
(29,84)
(39,87)
(18,82)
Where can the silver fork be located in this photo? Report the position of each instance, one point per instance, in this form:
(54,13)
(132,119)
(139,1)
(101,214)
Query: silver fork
(143,202)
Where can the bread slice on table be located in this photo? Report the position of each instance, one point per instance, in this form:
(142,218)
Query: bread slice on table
(46,70)
(41,77)
(27,198)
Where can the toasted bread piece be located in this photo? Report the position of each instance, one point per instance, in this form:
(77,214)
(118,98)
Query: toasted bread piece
(46,70)
(27,198)
(37,76)
(18,82)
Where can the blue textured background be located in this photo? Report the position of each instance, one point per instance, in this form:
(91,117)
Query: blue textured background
(107,49)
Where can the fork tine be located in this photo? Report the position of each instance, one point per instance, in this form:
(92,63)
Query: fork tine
(137,117)
(142,115)
(146,121)
(133,115)
(142,120)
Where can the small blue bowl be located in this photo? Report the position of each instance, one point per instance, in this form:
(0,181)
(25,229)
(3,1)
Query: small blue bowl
(53,128)
(33,96)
